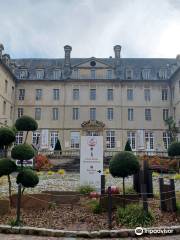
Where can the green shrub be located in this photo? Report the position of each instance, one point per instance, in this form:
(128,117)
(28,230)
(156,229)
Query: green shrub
(134,216)
(58,146)
(22,152)
(174,149)
(131,190)
(95,206)
(28,178)
(86,189)
(26,123)
(7,166)
(128,146)
(7,136)
(178,208)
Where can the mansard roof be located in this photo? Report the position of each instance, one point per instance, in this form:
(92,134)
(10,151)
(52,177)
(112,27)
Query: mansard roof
(135,64)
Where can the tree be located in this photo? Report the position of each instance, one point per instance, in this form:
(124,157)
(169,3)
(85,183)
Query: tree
(174,149)
(122,165)
(28,178)
(128,146)
(172,129)
(58,146)
(23,152)
(7,166)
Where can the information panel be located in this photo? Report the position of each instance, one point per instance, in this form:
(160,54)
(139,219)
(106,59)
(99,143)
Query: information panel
(91,161)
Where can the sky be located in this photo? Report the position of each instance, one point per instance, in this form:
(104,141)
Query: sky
(41,28)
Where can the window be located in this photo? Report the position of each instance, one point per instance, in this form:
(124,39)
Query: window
(163,73)
(147,95)
(110,114)
(75,113)
(23,73)
(109,74)
(36,138)
(149,138)
(129,94)
(37,113)
(172,92)
(19,138)
(75,139)
(6,86)
(110,94)
(130,114)
(53,138)
(93,74)
(129,74)
(11,112)
(38,94)
(110,139)
(164,94)
(146,74)
(4,107)
(166,139)
(93,114)
(165,114)
(55,113)
(12,93)
(56,94)
(92,133)
(132,139)
(21,94)
(75,94)
(39,73)
(20,112)
(92,94)
(57,74)
(148,114)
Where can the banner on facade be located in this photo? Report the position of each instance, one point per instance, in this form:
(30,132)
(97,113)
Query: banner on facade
(91,161)
(44,139)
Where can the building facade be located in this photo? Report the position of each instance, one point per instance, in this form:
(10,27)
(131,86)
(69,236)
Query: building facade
(118,98)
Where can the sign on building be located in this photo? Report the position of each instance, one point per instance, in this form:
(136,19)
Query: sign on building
(91,161)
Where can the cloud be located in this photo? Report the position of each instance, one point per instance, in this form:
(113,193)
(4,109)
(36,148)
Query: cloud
(40,28)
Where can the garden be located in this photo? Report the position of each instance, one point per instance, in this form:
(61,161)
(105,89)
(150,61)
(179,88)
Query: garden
(132,192)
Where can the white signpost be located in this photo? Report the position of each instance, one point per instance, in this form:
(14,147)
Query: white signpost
(91,161)
(26,163)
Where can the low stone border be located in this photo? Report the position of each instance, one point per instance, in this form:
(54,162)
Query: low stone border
(81,234)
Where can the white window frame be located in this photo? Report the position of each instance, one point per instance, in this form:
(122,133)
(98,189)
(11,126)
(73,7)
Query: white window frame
(75,113)
(147,94)
(20,112)
(148,114)
(75,94)
(21,94)
(166,139)
(130,94)
(37,113)
(55,114)
(110,114)
(110,95)
(39,93)
(56,94)
(19,138)
(130,114)
(131,135)
(164,94)
(53,138)
(75,140)
(92,94)
(110,139)
(36,137)
(92,114)
(149,139)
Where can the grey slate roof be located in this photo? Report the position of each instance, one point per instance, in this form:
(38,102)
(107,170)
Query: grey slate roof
(136,64)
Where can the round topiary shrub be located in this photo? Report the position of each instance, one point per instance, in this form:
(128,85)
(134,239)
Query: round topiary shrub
(28,178)
(124,164)
(22,152)
(26,123)
(174,149)
(7,166)
(7,136)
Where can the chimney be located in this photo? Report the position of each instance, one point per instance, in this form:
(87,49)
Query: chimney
(67,50)
(117,51)
(1,50)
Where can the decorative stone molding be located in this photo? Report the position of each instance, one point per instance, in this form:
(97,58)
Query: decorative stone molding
(93,125)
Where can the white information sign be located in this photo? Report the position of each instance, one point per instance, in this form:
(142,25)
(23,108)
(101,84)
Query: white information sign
(44,138)
(91,161)
(26,163)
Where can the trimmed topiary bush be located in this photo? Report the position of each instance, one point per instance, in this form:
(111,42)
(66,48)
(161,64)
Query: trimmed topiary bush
(58,146)
(7,137)
(26,123)
(128,146)
(174,149)
(22,152)
(28,178)
(124,164)
(7,166)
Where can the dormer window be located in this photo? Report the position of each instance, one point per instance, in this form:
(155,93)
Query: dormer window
(109,74)
(163,73)
(23,73)
(146,74)
(129,74)
(39,73)
(57,74)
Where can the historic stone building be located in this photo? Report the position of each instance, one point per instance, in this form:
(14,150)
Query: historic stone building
(119,98)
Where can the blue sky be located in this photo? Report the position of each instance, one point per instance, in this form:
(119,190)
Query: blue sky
(40,28)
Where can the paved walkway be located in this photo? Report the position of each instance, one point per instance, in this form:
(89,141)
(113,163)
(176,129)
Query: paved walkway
(27,237)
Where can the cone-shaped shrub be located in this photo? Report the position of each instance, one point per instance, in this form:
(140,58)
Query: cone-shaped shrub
(26,123)
(58,146)
(28,178)
(128,146)
(22,152)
